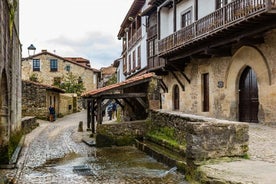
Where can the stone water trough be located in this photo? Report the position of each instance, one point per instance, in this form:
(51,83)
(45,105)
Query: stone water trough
(183,140)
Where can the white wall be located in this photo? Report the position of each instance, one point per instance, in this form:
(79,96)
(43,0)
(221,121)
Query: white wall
(181,8)
(205,8)
(166,22)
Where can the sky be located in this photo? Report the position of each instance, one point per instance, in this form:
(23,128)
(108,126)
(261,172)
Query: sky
(74,28)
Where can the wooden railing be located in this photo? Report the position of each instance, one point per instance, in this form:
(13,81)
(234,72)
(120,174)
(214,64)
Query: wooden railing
(135,37)
(152,31)
(224,17)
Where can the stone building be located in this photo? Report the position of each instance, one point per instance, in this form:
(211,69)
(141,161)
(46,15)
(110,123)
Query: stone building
(10,71)
(214,59)
(37,98)
(107,73)
(48,68)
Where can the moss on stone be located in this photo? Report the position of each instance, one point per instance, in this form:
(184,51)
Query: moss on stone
(7,150)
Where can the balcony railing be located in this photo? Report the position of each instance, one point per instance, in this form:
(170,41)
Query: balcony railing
(152,31)
(135,37)
(222,18)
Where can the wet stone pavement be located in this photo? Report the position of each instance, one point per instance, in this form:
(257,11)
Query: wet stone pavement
(54,153)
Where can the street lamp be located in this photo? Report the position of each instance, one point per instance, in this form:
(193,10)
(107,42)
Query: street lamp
(31,50)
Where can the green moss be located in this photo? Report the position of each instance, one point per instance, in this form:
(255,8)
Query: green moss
(7,150)
(124,141)
(165,134)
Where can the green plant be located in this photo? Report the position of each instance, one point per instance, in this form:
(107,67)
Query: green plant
(112,80)
(7,150)
(34,77)
(71,84)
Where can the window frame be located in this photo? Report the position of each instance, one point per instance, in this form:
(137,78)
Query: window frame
(36,65)
(53,65)
(186,18)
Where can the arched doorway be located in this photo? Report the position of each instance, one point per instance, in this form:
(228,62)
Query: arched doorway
(248,96)
(176,97)
(4,132)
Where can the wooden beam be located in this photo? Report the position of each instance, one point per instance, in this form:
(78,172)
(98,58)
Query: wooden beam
(99,111)
(182,73)
(218,52)
(142,102)
(131,106)
(179,81)
(123,95)
(118,102)
(93,116)
(163,86)
(88,113)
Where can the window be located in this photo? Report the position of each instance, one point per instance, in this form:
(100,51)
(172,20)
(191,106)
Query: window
(53,65)
(186,18)
(139,57)
(205,79)
(36,65)
(151,43)
(220,3)
(133,60)
(129,63)
(68,68)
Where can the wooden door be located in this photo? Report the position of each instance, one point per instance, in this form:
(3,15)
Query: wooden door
(248,96)
(176,97)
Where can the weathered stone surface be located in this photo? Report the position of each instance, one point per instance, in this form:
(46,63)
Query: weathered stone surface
(205,137)
(120,134)
(224,99)
(28,124)
(207,140)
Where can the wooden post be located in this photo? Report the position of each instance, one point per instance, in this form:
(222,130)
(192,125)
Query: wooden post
(99,111)
(93,116)
(88,113)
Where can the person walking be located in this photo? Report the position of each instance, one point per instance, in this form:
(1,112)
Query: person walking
(52,113)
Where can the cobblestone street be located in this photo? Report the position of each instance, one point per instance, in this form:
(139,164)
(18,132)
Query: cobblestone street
(52,150)
(48,142)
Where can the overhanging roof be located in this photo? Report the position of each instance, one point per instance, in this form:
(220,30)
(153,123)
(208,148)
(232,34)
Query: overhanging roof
(118,86)
(132,12)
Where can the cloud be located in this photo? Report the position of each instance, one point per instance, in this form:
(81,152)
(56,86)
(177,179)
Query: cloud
(100,48)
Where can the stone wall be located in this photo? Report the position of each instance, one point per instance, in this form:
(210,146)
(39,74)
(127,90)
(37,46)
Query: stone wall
(205,138)
(10,71)
(120,134)
(224,75)
(67,103)
(28,124)
(34,100)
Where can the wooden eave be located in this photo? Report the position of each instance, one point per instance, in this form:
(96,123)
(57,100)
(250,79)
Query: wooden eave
(133,12)
(116,89)
(45,86)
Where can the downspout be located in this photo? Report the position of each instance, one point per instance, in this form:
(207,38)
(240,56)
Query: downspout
(196,10)
(174,15)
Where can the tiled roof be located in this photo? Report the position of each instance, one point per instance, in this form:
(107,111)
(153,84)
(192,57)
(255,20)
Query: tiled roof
(44,86)
(108,88)
(62,58)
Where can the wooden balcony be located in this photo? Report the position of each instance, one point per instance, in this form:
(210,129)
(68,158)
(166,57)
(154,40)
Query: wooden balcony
(135,38)
(152,31)
(228,20)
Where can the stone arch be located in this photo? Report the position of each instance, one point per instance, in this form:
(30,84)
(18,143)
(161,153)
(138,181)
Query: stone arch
(4,130)
(248,56)
(244,57)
